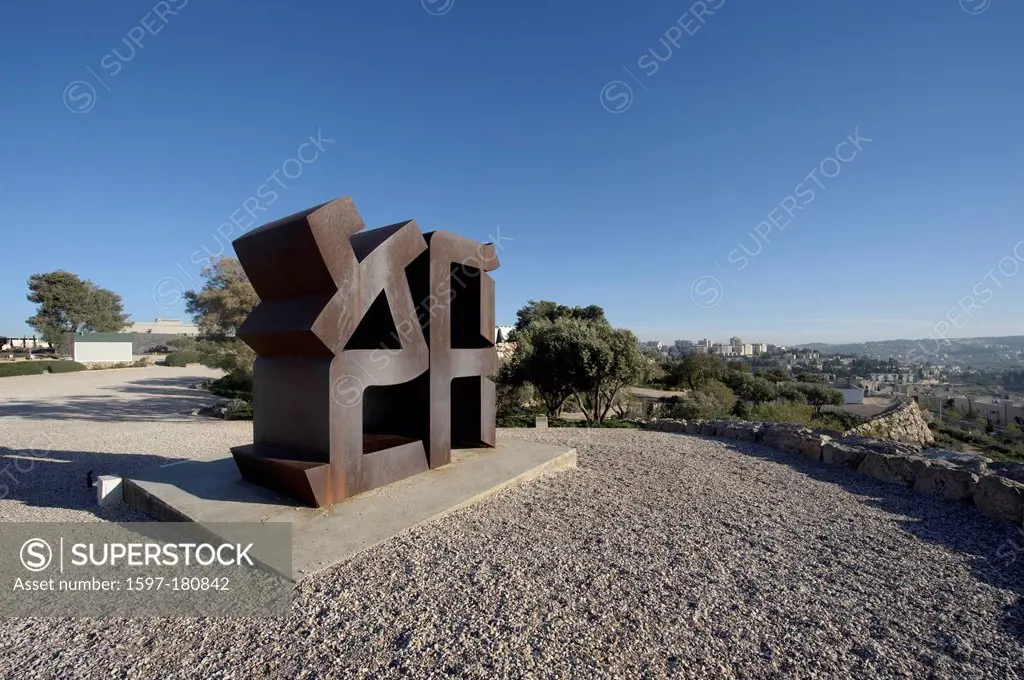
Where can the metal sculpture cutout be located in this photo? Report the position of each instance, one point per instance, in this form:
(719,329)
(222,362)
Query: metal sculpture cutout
(374,350)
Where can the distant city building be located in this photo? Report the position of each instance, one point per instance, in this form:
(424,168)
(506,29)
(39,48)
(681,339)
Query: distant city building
(165,327)
(759,348)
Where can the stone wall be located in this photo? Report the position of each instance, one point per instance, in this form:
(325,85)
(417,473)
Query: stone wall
(903,422)
(996,489)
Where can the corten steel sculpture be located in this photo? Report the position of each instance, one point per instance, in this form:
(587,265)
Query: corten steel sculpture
(373,349)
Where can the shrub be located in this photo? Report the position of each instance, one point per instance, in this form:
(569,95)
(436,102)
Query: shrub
(233,387)
(839,420)
(722,393)
(515,421)
(782,412)
(39,367)
(239,409)
(23,368)
(183,358)
(65,366)
(696,405)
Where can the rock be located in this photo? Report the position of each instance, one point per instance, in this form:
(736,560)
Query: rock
(214,411)
(888,446)
(811,445)
(708,428)
(945,480)
(783,438)
(693,426)
(903,422)
(1000,497)
(892,469)
(750,432)
(842,455)
(1014,471)
(965,461)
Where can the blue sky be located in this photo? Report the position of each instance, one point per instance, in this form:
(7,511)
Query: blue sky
(625,152)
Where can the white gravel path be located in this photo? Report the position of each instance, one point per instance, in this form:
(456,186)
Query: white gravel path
(662,555)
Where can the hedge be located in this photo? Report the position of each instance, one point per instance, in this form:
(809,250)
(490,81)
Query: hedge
(183,358)
(38,367)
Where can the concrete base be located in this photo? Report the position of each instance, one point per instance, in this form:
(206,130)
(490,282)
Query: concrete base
(211,490)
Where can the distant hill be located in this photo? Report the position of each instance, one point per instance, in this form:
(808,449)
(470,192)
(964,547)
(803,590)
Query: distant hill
(977,352)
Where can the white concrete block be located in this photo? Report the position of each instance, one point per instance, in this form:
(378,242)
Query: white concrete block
(109,490)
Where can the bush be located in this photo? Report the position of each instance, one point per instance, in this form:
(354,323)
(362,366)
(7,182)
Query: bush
(233,387)
(839,420)
(39,367)
(180,359)
(782,412)
(722,393)
(23,368)
(239,409)
(696,405)
(519,420)
(65,366)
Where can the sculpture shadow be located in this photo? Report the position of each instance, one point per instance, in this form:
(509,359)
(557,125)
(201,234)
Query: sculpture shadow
(995,548)
(58,479)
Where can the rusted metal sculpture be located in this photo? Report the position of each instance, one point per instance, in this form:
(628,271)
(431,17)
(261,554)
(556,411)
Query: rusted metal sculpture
(374,350)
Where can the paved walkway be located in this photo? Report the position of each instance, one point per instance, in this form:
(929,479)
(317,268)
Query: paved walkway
(55,429)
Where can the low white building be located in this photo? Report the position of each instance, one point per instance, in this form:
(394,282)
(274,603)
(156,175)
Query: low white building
(101,348)
(166,327)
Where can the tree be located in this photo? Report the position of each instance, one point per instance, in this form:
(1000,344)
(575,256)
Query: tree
(694,370)
(611,361)
(535,310)
(777,375)
(224,301)
(820,395)
(721,392)
(790,392)
(545,357)
(69,304)
(219,308)
(811,378)
(758,391)
(576,355)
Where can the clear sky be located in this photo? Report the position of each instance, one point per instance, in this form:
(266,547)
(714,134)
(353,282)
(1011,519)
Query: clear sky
(132,131)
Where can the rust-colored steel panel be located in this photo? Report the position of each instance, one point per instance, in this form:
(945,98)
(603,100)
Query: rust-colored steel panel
(363,338)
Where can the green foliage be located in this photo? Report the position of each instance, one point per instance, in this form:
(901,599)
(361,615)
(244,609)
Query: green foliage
(693,371)
(782,412)
(722,394)
(980,441)
(695,405)
(776,375)
(220,307)
(584,358)
(811,378)
(239,409)
(233,387)
(757,391)
(790,392)
(819,395)
(38,367)
(183,358)
(69,304)
(841,421)
(537,310)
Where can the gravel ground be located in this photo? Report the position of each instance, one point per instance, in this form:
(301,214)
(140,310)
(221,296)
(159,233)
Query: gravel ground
(661,555)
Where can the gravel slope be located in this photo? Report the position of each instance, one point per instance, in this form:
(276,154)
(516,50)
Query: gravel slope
(662,555)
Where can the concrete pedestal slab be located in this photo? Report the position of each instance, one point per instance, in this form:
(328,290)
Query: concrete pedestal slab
(210,490)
